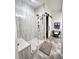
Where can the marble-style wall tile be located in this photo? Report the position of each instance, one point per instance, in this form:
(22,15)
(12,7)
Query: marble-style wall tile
(25,22)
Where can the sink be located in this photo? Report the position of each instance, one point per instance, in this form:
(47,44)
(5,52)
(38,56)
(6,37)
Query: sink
(22,44)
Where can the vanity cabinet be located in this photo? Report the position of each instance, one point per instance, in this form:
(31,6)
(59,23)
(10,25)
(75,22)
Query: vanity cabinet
(24,49)
(25,53)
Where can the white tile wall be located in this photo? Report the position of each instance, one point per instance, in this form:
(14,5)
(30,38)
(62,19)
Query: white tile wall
(25,19)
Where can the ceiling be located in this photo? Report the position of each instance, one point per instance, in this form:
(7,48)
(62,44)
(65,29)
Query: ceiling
(53,5)
(35,3)
(32,3)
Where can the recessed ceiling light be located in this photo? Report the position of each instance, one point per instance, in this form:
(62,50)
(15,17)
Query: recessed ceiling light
(33,0)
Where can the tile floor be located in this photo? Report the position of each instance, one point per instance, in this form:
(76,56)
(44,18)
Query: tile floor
(56,51)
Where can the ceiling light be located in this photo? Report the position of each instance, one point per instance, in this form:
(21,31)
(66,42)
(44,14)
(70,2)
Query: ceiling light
(33,0)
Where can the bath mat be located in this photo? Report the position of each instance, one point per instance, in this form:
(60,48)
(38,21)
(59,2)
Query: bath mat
(46,47)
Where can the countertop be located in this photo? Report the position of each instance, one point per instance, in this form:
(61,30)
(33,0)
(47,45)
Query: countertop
(22,44)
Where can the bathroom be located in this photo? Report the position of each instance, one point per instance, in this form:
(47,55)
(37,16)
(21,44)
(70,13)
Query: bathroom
(39,29)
